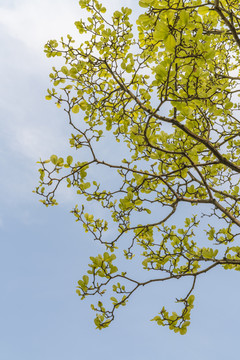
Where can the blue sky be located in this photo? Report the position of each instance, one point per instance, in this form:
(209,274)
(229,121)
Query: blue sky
(43,251)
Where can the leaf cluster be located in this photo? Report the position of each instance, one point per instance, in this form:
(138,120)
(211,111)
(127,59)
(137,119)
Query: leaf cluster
(166,90)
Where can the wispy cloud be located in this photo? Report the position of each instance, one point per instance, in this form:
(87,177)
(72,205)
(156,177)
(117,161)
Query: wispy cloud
(31,127)
(34,22)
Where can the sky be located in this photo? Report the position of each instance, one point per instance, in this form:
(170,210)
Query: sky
(44,252)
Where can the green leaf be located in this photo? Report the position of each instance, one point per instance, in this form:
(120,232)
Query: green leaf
(170,43)
(191,299)
(183,330)
(113,299)
(85,279)
(83,105)
(161,31)
(69,160)
(203,10)
(54,159)
(64,70)
(75,109)
(229,105)
(235,191)
(184,16)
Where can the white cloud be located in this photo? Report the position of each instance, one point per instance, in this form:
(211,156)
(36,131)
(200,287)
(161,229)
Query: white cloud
(34,22)
(27,25)
(31,127)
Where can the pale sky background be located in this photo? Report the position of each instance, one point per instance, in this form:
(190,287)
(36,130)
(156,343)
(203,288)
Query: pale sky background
(43,252)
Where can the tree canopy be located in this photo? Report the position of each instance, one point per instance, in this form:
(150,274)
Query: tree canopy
(155,104)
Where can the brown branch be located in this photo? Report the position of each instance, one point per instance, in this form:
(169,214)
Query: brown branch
(227,22)
(176,123)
